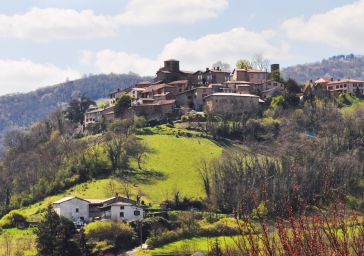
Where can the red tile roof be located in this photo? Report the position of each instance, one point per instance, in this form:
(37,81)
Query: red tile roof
(155,87)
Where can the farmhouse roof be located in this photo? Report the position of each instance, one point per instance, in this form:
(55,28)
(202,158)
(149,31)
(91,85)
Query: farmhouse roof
(65,199)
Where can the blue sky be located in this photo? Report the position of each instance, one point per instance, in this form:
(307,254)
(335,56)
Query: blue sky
(44,42)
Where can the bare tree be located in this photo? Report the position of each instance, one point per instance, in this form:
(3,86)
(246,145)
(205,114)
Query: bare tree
(205,175)
(259,62)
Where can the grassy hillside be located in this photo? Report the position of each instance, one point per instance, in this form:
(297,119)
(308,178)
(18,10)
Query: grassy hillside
(172,166)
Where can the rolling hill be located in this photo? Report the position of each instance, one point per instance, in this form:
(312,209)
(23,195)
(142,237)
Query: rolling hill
(337,67)
(21,110)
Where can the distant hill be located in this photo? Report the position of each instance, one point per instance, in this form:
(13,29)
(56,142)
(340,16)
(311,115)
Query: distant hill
(21,110)
(338,67)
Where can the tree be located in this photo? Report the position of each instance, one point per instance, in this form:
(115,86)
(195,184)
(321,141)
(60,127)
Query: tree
(138,150)
(259,62)
(77,108)
(84,247)
(221,65)
(55,236)
(275,75)
(243,64)
(116,152)
(122,104)
(47,233)
(292,86)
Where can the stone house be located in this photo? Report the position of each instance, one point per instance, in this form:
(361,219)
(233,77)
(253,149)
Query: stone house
(232,104)
(94,115)
(154,89)
(154,109)
(211,76)
(194,98)
(335,86)
(171,72)
(249,75)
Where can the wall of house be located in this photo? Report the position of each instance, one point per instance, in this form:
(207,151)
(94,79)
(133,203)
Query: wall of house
(257,77)
(232,105)
(198,97)
(185,99)
(240,75)
(68,208)
(128,211)
(154,112)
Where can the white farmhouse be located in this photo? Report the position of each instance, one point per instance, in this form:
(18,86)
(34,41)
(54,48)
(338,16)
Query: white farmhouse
(81,210)
(73,208)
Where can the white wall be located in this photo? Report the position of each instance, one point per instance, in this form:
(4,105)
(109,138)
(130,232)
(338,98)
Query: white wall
(68,209)
(128,213)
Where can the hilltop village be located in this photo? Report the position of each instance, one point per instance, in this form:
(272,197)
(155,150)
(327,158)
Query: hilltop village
(175,92)
(215,91)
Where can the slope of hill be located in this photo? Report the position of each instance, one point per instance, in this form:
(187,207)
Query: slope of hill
(21,110)
(168,158)
(337,67)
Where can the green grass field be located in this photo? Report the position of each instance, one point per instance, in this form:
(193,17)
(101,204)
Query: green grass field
(198,244)
(177,159)
(171,167)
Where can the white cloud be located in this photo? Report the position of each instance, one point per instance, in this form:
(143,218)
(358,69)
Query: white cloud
(146,12)
(24,75)
(108,61)
(86,57)
(43,25)
(228,46)
(198,54)
(341,27)
(52,24)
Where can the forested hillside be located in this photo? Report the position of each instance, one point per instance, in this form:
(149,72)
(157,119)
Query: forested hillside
(21,110)
(338,67)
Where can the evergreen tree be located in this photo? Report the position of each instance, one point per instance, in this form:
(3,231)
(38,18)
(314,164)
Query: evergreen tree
(55,236)
(47,233)
(84,247)
(77,108)
(122,104)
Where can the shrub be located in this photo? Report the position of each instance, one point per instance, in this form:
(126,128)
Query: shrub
(12,219)
(119,235)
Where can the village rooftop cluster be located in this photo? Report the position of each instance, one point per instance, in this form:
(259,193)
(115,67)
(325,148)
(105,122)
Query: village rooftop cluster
(175,92)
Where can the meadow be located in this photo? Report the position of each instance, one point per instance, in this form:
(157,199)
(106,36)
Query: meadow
(171,167)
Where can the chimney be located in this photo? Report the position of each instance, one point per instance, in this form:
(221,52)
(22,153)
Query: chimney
(332,79)
(207,69)
(116,194)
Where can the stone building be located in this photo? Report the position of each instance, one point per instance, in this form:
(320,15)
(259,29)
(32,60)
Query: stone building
(232,104)
(171,72)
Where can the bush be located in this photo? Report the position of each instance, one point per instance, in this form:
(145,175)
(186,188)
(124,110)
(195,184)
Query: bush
(118,235)
(12,219)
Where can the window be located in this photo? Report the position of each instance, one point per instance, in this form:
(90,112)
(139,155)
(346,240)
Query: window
(122,207)
(121,215)
(136,213)
(76,209)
